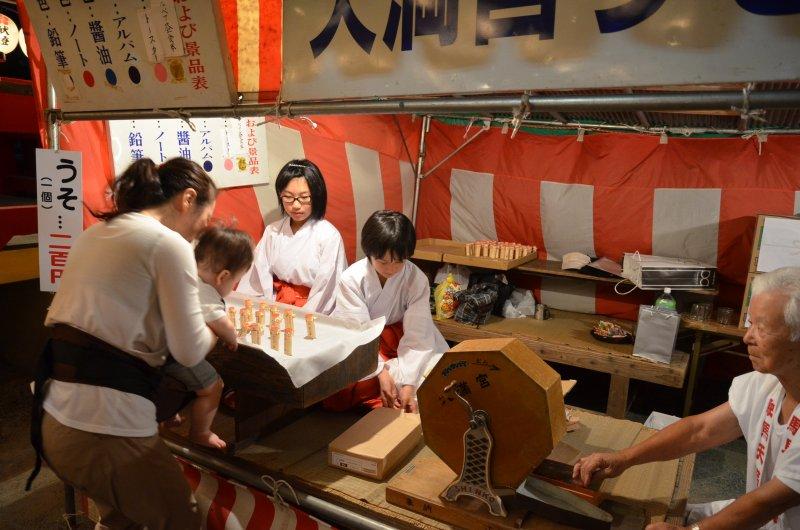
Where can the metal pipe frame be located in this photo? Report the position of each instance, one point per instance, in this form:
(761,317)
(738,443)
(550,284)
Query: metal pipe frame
(678,131)
(426,125)
(660,101)
(325,510)
(53,127)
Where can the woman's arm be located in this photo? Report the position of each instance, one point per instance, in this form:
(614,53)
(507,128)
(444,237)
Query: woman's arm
(175,278)
(689,435)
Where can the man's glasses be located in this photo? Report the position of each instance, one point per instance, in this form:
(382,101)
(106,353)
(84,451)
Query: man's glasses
(288,200)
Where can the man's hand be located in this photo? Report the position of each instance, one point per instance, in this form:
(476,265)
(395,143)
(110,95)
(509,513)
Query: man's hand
(388,389)
(604,465)
(405,400)
(231,345)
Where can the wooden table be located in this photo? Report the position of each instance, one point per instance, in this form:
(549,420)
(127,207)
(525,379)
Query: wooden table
(298,453)
(566,339)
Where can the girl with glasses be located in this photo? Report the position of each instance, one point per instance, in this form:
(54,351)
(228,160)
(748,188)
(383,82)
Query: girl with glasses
(301,256)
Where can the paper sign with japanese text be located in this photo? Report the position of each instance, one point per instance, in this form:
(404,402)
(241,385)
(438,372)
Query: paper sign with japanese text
(233,151)
(335,49)
(59,204)
(134,55)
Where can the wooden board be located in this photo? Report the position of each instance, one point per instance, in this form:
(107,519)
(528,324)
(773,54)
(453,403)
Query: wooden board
(553,268)
(748,293)
(432,249)
(417,487)
(759,237)
(713,327)
(566,339)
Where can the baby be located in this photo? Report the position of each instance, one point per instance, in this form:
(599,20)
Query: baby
(223,256)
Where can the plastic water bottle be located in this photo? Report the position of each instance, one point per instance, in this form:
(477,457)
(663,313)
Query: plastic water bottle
(666,302)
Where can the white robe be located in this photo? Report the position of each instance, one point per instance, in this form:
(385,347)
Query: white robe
(406,297)
(314,257)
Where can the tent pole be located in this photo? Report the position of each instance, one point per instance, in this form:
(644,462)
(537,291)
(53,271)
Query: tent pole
(426,125)
(241,473)
(53,129)
(659,101)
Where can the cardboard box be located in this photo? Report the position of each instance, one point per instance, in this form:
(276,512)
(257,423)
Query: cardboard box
(748,291)
(776,246)
(377,443)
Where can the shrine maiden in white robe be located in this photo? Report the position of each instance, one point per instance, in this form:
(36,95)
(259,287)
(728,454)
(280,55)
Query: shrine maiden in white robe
(406,297)
(313,256)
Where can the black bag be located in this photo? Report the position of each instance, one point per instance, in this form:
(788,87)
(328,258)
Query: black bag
(504,289)
(475,303)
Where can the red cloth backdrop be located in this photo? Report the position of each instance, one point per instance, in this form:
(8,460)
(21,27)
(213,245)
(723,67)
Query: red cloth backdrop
(623,181)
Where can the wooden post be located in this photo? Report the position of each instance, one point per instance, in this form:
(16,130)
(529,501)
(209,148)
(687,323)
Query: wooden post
(618,396)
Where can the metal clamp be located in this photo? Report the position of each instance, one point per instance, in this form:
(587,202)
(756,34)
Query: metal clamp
(475,480)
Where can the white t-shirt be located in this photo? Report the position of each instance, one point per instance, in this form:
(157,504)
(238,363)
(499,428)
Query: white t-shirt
(313,257)
(748,398)
(406,297)
(211,303)
(131,282)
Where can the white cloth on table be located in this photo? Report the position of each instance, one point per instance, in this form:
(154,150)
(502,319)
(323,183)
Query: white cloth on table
(405,297)
(131,282)
(313,257)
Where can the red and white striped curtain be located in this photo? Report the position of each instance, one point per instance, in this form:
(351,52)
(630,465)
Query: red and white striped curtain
(227,505)
(611,193)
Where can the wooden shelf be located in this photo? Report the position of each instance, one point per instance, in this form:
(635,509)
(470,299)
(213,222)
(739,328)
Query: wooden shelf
(566,339)
(553,268)
(713,327)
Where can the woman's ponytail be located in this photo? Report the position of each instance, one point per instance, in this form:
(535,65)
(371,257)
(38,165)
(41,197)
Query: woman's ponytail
(144,185)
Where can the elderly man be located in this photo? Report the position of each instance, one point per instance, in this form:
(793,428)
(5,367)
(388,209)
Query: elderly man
(762,406)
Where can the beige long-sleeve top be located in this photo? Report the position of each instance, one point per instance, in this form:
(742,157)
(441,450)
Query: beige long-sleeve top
(131,282)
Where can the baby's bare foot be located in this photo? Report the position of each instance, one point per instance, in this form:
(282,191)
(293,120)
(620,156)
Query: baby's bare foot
(209,439)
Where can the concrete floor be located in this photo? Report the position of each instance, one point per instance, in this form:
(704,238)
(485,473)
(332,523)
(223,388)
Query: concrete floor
(718,474)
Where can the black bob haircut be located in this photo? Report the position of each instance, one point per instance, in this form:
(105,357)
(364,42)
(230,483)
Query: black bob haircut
(302,168)
(388,231)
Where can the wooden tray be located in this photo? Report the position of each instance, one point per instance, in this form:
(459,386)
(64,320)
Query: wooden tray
(487,263)
(447,251)
(433,249)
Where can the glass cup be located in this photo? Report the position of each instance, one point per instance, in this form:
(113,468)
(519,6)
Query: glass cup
(700,311)
(725,315)
(697,312)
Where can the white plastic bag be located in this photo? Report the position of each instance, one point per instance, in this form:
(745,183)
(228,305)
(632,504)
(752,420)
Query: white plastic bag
(520,304)
(459,272)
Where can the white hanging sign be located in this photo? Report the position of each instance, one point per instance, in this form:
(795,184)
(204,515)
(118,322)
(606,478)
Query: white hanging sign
(335,49)
(134,55)
(232,151)
(59,201)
